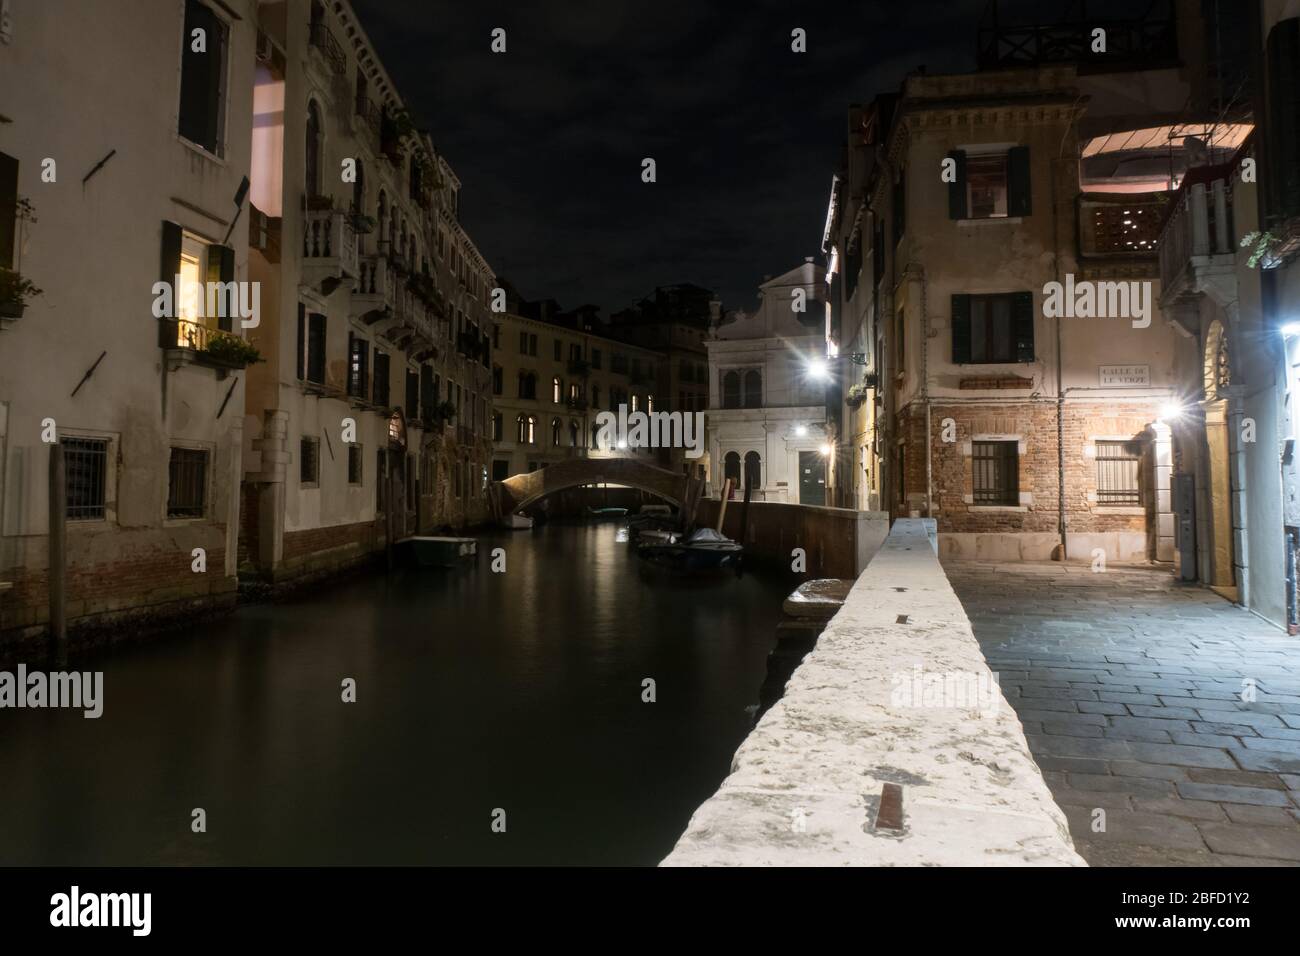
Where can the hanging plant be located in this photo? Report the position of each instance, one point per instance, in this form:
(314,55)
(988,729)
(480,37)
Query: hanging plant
(1262,247)
(15,290)
(233,350)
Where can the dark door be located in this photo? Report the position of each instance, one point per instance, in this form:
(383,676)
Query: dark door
(1185,525)
(812,478)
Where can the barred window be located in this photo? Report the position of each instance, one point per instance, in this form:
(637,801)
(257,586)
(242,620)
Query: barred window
(996,472)
(354,465)
(187,475)
(1118,464)
(309,461)
(86,466)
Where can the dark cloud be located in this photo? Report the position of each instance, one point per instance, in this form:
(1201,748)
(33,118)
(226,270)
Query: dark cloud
(548,138)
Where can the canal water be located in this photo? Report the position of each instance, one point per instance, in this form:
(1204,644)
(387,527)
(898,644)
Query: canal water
(476,691)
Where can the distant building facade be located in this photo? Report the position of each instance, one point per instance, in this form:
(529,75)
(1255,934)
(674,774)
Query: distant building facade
(767,415)
(553,373)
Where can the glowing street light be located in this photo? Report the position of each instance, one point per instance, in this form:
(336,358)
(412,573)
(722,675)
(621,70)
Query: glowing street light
(1170,411)
(818,370)
(825,451)
(800,430)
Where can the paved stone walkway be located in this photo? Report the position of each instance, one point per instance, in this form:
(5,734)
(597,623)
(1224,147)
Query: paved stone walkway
(1129,688)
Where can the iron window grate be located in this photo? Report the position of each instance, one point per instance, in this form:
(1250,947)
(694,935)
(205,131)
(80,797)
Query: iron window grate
(86,467)
(995,468)
(187,476)
(1118,464)
(309,461)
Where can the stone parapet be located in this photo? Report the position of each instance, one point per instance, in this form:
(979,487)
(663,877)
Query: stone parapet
(892,745)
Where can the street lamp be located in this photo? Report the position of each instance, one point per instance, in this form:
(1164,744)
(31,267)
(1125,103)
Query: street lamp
(825,451)
(800,431)
(1170,410)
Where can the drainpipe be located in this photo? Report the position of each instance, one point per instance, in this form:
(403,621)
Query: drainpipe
(925,392)
(1060,371)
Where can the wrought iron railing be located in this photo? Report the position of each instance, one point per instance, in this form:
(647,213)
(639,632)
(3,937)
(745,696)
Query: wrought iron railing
(322,40)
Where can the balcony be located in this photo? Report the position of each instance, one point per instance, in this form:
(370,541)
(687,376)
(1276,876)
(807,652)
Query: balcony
(1147,41)
(1197,255)
(329,249)
(185,342)
(323,44)
(370,115)
(372,298)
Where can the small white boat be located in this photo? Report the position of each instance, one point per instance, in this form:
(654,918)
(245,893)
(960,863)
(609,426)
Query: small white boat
(516,522)
(658,536)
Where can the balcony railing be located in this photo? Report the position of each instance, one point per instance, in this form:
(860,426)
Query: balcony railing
(369,114)
(198,340)
(1148,40)
(322,40)
(328,235)
(1197,236)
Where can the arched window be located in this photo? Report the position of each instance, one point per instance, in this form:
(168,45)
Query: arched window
(753,470)
(313,149)
(731,390)
(573,433)
(649,404)
(731,467)
(595,432)
(753,389)
(556,388)
(555,432)
(636,402)
(521,429)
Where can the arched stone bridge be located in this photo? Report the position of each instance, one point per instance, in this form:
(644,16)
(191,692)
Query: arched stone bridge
(519,491)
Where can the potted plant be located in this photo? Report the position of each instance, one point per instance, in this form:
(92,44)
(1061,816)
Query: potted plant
(856,396)
(1263,249)
(15,290)
(232,350)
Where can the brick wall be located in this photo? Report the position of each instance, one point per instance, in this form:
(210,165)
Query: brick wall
(1035,425)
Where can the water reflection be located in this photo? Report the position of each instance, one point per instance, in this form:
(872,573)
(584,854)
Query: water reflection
(475,691)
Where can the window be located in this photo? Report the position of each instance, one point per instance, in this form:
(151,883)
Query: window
(381,482)
(731,468)
(595,359)
(496,380)
(753,470)
(575,393)
(500,469)
(85,462)
(636,403)
(497,426)
(354,464)
(412,394)
(731,390)
(618,364)
(527,385)
(381,391)
(8,209)
(595,396)
(556,388)
(311,346)
(989,185)
(524,429)
(523,343)
(1118,468)
(313,149)
(996,466)
(358,366)
(753,389)
(187,483)
(532,345)
(428,393)
(203,78)
(559,347)
(991,329)
(555,432)
(575,352)
(309,461)
(573,433)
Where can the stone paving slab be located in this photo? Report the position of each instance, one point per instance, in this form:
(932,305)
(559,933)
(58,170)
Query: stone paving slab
(1129,685)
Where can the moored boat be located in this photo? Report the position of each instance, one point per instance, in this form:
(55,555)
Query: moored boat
(598,513)
(516,522)
(704,550)
(440,552)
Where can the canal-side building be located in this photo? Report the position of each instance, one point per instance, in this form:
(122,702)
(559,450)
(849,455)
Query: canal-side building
(112,180)
(553,373)
(1026,372)
(674,321)
(1231,287)
(374,400)
(767,374)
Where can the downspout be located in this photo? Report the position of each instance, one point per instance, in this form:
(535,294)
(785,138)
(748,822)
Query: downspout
(925,393)
(1060,371)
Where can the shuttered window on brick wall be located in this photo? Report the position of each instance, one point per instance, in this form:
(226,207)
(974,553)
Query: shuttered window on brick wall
(995,472)
(1118,473)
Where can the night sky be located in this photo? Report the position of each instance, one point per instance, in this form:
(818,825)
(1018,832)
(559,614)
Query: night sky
(548,138)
